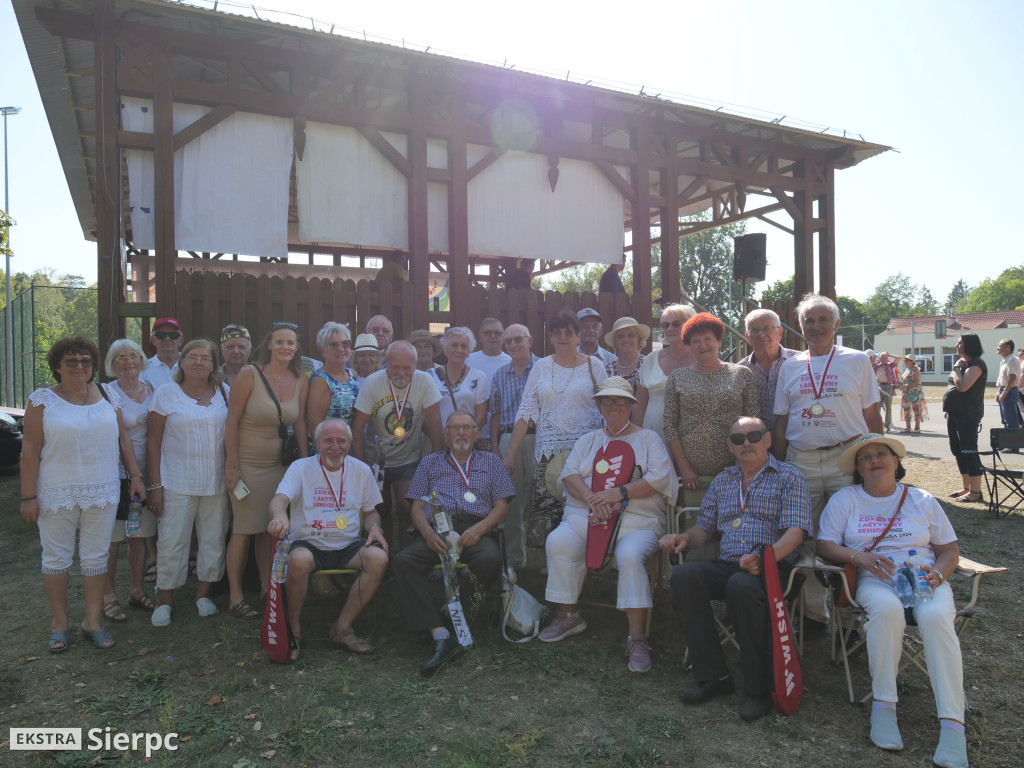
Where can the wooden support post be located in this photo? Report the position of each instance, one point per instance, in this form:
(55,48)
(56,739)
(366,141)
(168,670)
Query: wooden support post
(803,236)
(458,216)
(419,258)
(827,235)
(165,252)
(109,274)
(670,285)
(641,215)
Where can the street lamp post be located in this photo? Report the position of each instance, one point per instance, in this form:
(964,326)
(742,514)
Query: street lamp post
(8,313)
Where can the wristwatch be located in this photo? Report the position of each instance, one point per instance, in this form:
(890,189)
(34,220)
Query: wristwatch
(624,491)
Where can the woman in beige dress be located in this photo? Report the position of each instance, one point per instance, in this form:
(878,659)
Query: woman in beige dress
(655,368)
(254,450)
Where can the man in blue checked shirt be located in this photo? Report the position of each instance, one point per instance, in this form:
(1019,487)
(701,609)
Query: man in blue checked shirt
(474,488)
(757,502)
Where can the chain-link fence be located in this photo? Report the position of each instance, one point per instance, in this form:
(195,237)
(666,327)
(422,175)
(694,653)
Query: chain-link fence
(41,315)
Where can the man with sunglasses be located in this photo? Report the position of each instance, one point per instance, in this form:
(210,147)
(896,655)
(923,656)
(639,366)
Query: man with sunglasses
(167,339)
(758,501)
(764,332)
(506,394)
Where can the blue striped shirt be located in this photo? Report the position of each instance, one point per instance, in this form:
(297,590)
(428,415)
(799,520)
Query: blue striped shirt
(488,481)
(507,391)
(777,499)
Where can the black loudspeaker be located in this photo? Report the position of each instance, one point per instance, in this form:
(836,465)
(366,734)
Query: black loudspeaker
(751,257)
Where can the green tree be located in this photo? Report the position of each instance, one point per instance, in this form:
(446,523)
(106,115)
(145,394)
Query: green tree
(926,303)
(780,290)
(583,278)
(893,297)
(853,326)
(958,295)
(1005,292)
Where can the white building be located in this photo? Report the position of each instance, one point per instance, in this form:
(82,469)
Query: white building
(932,338)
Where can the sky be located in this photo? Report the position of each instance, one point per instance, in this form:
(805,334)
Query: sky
(922,77)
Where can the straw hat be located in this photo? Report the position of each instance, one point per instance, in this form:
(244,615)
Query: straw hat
(422,335)
(615,386)
(627,322)
(848,458)
(551,476)
(365,342)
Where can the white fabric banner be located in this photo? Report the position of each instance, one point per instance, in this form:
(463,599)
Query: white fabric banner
(224,201)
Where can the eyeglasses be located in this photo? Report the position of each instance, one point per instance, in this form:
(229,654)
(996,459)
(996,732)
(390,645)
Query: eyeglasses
(164,335)
(279,326)
(336,345)
(198,359)
(559,333)
(515,340)
(491,333)
(754,436)
(461,427)
(127,358)
(77,362)
(617,401)
(666,324)
(867,458)
(762,331)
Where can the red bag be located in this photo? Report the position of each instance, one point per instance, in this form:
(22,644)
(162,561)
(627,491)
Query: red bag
(616,462)
(789,680)
(276,634)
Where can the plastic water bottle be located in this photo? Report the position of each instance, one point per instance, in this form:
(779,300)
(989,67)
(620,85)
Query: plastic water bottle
(280,567)
(133,524)
(904,588)
(922,587)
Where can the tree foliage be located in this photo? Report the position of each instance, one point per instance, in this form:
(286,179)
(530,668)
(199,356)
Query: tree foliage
(956,301)
(780,290)
(1003,293)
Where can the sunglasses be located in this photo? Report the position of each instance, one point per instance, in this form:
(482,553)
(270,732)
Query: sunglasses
(77,362)
(671,324)
(336,345)
(754,436)
(164,335)
(618,401)
(515,340)
(278,326)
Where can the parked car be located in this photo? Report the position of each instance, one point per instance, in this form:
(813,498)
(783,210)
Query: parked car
(10,436)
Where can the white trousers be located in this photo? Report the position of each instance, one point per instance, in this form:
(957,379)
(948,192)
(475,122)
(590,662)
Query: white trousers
(885,626)
(210,516)
(57,529)
(566,548)
(519,507)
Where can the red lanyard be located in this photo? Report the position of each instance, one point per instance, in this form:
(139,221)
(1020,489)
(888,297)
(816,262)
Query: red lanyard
(399,411)
(341,485)
(814,389)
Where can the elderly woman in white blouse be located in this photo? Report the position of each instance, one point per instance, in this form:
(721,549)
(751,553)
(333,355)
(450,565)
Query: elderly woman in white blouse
(460,386)
(641,499)
(185,463)
(656,367)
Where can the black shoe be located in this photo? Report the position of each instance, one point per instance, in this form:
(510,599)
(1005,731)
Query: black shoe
(704,692)
(755,707)
(444,651)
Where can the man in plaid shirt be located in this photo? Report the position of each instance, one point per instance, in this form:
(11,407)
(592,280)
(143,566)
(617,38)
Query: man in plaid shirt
(757,502)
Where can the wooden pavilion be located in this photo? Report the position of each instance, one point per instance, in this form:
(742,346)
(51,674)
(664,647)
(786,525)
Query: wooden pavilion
(461,168)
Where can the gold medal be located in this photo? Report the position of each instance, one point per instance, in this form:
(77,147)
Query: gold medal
(817,410)
(399,432)
(341,522)
(602,466)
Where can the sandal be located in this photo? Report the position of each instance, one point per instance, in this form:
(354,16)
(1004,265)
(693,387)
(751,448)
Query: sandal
(293,653)
(971,498)
(958,494)
(350,641)
(58,642)
(242,610)
(99,638)
(150,576)
(145,602)
(114,612)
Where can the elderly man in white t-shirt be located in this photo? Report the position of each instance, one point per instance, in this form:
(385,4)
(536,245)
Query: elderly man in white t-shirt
(825,398)
(489,358)
(332,498)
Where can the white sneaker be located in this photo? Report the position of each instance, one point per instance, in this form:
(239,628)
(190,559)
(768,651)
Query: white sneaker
(206,607)
(161,616)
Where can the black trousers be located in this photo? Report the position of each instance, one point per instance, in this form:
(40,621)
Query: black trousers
(410,568)
(963,436)
(694,586)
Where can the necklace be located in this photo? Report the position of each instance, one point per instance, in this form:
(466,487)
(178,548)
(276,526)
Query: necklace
(197,399)
(631,365)
(448,379)
(134,396)
(572,373)
(67,395)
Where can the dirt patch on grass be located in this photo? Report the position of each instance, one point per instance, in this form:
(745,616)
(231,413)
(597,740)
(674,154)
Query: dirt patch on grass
(569,704)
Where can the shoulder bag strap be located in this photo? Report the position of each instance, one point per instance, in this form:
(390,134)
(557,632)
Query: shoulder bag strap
(282,430)
(119,451)
(590,370)
(891,519)
(443,375)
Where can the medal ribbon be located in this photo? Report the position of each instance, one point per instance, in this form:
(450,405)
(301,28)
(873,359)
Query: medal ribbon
(605,439)
(341,485)
(464,475)
(815,389)
(394,398)
(739,485)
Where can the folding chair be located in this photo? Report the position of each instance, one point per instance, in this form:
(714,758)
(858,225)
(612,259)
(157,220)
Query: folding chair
(844,645)
(1000,476)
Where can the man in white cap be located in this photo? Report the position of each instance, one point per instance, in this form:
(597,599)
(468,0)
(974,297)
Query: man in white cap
(591,328)
(365,356)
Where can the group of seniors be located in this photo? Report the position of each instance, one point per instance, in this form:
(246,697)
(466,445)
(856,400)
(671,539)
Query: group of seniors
(764,447)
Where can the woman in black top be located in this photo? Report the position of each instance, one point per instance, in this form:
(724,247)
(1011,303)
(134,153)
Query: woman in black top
(964,404)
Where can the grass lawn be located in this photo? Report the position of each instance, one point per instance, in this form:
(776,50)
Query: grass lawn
(568,704)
